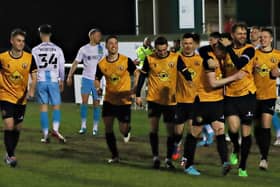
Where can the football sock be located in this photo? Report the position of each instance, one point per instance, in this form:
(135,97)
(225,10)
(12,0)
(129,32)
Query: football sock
(265,145)
(44,119)
(83,113)
(245,149)
(170,146)
(9,141)
(56,119)
(222,147)
(189,149)
(234,139)
(112,144)
(154,143)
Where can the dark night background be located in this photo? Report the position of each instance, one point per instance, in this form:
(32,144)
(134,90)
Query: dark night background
(71,20)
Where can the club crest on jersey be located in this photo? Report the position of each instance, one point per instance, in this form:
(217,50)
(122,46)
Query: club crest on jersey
(171,64)
(121,68)
(274,60)
(24,65)
(196,63)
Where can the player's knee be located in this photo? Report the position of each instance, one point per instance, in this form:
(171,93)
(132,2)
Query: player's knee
(219,130)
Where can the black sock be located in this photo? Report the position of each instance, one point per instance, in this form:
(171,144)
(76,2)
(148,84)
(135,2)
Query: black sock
(16,134)
(177,138)
(189,149)
(245,150)
(222,148)
(112,144)
(170,146)
(266,139)
(8,141)
(257,134)
(154,143)
(234,139)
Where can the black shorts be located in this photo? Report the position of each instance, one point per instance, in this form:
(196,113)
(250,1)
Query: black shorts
(184,111)
(168,111)
(208,112)
(265,106)
(243,106)
(121,112)
(11,110)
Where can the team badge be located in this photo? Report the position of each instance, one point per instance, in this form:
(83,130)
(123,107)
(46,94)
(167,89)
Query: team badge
(196,63)
(121,68)
(273,60)
(24,65)
(171,64)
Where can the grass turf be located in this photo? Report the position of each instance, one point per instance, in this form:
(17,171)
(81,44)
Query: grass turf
(81,162)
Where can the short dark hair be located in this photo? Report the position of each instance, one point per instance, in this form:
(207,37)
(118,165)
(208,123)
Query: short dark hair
(18,31)
(256,27)
(45,29)
(196,37)
(241,25)
(267,30)
(226,35)
(215,35)
(161,40)
(110,37)
(188,35)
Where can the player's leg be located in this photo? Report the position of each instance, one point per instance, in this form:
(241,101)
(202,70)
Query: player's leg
(231,112)
(190,148)
(55,101)
(43,99)
(264,144)
(96,110)
(124,118)
(8,120)
(265,132)
(179,120)
(247,112)
(44,120)
(191,138)
(233,122)
(168,118)
(219,129)
(209,134)
(108,115)
(276,125)
(13,116)
(85,92)
(154,116)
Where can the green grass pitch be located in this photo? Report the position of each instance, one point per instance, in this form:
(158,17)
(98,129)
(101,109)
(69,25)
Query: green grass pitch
(81,162)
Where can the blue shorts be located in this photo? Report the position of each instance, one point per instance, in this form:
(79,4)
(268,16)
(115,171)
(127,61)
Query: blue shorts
(48,93)
(89,88)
